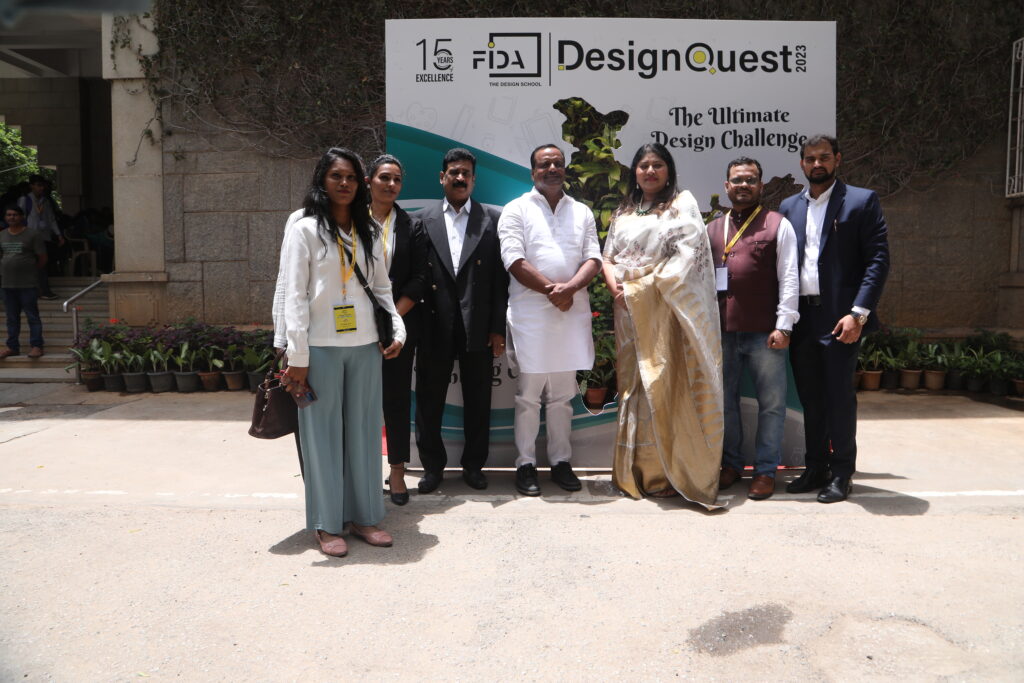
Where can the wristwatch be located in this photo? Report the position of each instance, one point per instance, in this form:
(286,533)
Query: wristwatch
(861,319)
(786,333)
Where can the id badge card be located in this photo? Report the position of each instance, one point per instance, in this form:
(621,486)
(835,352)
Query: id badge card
(345,318)
(722,278)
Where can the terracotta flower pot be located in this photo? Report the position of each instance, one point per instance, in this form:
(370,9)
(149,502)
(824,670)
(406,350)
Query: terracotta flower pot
(910,379)
(235,379)
(871,380)
(934,380)
(210,380)
(594,397)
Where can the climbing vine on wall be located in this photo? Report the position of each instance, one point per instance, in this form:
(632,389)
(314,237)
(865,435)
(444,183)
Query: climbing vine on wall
(920,84)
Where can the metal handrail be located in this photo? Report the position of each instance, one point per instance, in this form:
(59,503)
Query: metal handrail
(74,320)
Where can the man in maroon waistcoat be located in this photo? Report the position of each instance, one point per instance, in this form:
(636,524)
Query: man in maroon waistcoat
(758,281)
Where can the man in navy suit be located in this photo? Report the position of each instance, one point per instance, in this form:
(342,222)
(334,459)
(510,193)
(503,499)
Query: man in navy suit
(463,318)
(843,248)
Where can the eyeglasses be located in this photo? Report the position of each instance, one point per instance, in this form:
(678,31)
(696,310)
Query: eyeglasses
(745,181)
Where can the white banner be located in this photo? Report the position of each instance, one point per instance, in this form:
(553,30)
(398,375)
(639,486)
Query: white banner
(710,91)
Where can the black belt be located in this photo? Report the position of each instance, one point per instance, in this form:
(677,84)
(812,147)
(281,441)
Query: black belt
(810,300)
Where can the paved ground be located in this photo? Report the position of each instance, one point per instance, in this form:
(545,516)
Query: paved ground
(152,538)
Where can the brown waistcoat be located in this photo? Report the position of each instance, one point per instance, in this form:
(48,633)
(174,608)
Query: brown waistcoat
(752,299)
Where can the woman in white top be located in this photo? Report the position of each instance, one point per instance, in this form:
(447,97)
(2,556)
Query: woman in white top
(333,348)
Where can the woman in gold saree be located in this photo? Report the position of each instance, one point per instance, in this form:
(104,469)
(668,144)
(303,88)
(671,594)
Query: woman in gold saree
(657,263)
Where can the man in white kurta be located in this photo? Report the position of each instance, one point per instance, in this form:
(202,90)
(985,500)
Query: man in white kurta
(549,245)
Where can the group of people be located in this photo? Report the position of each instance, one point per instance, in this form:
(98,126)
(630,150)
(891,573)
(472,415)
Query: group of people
(694,306)
(31,233)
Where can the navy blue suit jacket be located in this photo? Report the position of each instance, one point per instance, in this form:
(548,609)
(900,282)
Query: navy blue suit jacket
(853,260)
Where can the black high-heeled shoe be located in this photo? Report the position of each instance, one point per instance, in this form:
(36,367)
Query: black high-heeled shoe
(397,498)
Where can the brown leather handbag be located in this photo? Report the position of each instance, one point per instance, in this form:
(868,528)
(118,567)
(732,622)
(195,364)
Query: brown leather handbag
(274,413)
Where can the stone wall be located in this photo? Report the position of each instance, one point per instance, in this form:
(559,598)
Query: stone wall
(224,215)
(48,112)
(950,244)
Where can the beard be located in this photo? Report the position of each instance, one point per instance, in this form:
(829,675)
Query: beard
(820,178)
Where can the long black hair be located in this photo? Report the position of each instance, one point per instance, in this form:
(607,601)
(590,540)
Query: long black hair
(635,196)
(318,205)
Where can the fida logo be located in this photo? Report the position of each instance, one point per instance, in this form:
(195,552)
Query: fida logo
(510,55)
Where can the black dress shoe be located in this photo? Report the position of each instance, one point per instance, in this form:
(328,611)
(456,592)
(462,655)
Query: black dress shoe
(526,480)
(396,498)
(563,475)
(812,478)
(837,490)
(475,479)
(429,482)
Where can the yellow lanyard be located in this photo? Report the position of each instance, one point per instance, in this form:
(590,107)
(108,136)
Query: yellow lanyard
(387,227)
(347,270)
(736,237)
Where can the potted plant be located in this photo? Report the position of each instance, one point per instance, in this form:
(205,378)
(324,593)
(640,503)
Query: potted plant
(111,362)
(934,359)
(210,364)
(594,383)
(975,368)
(956,355)
(1016,370)
(160,377)
(910,354)
(998,372)
(234,372)
(87,364)
(185,376)
(256,360)
(891,366)
(871,363)
(134,371)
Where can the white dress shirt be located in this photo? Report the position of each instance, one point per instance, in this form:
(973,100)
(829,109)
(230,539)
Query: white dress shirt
(455,222)
(809,283)
(556,243)
(313,287)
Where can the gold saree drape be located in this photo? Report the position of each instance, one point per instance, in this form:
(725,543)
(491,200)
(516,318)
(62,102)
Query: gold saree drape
(669,355)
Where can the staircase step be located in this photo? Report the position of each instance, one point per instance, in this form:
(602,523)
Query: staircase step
(35,375)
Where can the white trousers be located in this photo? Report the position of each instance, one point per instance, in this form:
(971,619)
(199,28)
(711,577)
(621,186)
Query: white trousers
(556,390)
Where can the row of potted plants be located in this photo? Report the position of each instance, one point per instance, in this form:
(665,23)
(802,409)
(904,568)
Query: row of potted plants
(185,357)
(898,358)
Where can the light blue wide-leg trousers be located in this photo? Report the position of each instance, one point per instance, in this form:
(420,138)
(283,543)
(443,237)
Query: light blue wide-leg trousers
(341,438)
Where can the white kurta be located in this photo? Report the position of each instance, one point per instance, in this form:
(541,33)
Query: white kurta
(556,243)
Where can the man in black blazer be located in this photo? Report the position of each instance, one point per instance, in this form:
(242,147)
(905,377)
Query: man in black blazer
(843,248)
(463,318)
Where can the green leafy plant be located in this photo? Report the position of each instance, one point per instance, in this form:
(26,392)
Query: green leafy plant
(85,357)
(234,357)
(110,360)
(603,372)
(134,362)
(184,358)
(160,358)
(257,358)
(209,358)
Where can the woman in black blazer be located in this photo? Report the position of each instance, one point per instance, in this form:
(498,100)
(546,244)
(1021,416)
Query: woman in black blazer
(405,256)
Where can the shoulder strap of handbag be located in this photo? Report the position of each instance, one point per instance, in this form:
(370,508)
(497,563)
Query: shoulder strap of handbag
(362,280)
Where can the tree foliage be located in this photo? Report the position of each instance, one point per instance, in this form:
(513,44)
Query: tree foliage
(921,84)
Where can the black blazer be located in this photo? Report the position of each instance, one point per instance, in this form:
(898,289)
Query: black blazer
(409,272)
(480,292)
(853,261)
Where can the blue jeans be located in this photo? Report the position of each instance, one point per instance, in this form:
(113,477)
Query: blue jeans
(768,368)
(16,300)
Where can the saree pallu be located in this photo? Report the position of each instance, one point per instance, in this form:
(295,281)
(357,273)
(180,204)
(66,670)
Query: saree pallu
(669,356)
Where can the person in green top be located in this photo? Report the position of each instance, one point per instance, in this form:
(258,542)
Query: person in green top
(23,253)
